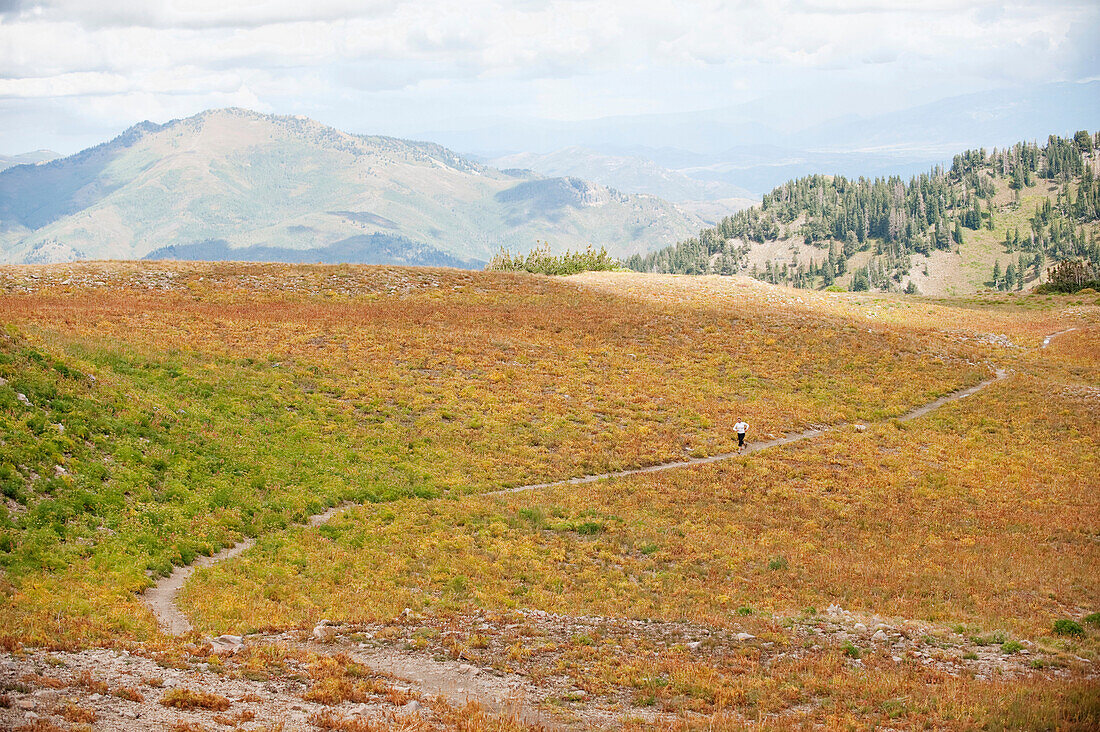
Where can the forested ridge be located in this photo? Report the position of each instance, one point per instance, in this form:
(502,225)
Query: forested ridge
(894,219)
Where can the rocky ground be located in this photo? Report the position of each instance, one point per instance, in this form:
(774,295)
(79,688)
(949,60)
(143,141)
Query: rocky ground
(519,669)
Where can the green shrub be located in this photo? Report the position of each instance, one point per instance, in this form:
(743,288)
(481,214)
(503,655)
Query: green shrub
(1010,647)
(590,528)
(777,563)
(541,261)
(1092,618)
(850,650)
(1068,627)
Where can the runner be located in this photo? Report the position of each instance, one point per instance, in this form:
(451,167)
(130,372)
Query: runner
(740,428)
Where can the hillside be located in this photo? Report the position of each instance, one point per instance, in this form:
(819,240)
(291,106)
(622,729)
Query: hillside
(993,220)
(407,464)
(243,185)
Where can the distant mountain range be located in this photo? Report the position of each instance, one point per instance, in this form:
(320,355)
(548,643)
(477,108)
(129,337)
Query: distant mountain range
(731,145)
(235,184)
(627,173)
(31,158)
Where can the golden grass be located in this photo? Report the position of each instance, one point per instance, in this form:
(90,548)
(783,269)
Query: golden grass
(183,698)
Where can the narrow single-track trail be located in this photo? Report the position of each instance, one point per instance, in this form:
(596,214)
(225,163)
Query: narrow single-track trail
(161,598)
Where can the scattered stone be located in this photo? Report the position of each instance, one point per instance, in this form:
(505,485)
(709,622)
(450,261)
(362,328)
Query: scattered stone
(324,632)
(23,398)
(860,427)
(25,703)
(468,669)
(694,645)
(412,707)
(227,644)
(879,636)
(745,636)
(59,471)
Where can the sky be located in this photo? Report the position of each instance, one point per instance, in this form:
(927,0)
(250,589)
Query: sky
(77,72)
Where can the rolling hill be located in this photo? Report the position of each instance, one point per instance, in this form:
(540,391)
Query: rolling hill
(237,184)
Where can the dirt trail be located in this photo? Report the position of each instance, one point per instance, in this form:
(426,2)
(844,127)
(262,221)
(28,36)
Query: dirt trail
(161,598)
(1047,340)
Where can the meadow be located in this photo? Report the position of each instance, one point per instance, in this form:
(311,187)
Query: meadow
(169,410)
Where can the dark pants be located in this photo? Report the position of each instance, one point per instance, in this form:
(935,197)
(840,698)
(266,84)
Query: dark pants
(740,439)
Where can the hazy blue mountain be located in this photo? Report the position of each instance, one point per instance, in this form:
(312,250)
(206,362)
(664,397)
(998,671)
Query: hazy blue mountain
(626,173)
(359,249)
(30,158)
(261,184)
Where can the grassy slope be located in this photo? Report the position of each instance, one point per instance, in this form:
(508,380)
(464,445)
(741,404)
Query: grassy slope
(234,399)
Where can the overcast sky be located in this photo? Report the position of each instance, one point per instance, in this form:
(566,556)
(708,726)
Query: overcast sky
(76,72)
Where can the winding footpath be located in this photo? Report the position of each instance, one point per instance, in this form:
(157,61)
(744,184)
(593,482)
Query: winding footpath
(161,598)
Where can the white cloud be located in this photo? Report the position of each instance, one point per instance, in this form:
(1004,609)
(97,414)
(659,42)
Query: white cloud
(330,53)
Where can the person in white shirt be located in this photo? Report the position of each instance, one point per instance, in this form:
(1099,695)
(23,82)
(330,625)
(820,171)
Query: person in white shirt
(740,428)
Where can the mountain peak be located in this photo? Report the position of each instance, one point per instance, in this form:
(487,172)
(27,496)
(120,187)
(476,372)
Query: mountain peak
(261,185)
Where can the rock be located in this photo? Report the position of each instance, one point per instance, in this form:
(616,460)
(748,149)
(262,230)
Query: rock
(31,716)
(23,398)
(60,428)
(412,707)
(879,636)
(859,627)
(324,633)
(3,381)
(694,645)
(468,669)
(860,427)
(59,471)
(25,703)
(745,636)
(896,659)
(227,644)
(46,696)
